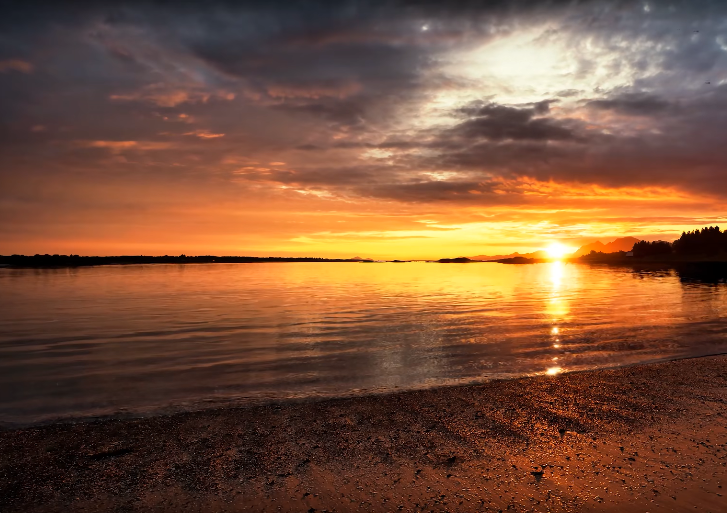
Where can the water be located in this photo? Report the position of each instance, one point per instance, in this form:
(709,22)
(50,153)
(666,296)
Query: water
(142,339)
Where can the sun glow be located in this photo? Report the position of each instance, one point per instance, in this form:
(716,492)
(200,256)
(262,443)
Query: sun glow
(558,250)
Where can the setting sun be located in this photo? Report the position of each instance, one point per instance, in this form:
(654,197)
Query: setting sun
(558,250)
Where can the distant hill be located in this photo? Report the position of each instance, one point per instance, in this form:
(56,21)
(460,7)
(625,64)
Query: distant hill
(534,254)
(493,257)
(621,244)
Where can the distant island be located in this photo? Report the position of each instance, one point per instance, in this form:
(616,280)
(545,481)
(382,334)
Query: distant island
(458,260)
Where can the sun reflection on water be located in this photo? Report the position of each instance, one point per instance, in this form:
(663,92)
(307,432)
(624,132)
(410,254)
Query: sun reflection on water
(556,274)
(557,309)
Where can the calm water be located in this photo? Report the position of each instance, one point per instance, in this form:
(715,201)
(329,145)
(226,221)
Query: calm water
(108,340)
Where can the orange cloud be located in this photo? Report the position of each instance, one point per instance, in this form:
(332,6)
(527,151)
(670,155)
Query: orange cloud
(16,65)
(204,134)
(551,189)
(166,96)
(119,146)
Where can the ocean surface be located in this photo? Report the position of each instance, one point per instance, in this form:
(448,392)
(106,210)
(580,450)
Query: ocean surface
(125,340)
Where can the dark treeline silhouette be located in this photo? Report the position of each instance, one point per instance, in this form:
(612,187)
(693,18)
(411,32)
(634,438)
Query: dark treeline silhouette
(77,261)
(707,241)
(645,248)
(699,246)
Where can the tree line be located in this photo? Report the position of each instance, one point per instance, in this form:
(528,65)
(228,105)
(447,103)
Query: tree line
(707,241)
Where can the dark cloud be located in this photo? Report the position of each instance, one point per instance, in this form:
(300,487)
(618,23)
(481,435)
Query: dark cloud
(637,104)
(567,93)
(353,97)
(349,113)
(326,176)
(499,122)
(427,191)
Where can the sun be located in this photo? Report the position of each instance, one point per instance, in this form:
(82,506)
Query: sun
(558,250)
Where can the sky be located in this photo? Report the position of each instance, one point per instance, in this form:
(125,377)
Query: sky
(377,129)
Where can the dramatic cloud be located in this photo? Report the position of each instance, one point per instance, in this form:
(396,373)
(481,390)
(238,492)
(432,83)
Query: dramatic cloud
(496,122)
(275,127)
(638,104)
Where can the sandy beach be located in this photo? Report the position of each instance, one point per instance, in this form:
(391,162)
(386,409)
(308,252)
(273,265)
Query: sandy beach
(643,438)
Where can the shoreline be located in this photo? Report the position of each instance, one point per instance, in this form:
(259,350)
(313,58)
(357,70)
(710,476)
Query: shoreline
(579,441)
(610,259)
(245,403)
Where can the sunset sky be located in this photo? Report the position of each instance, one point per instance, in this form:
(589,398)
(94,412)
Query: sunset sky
(380,129)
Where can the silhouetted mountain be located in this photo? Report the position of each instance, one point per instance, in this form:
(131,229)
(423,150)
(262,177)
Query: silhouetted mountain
(594,246)
(486,258)
(621,244)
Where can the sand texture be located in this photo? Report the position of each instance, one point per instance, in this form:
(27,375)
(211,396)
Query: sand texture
(644,438)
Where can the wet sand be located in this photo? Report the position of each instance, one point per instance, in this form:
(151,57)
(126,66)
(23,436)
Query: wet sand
(644,438)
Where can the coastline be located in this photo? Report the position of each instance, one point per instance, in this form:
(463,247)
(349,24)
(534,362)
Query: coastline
(630,438)
(612,259)
(74,261)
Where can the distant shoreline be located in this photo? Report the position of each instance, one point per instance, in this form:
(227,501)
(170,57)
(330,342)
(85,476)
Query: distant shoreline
(61,261)
(67,261)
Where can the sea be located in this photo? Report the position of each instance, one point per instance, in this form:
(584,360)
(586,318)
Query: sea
(137,340)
